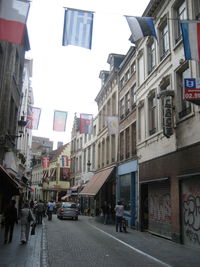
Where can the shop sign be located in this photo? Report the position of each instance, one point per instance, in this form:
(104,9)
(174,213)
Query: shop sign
(167,116)
(192,89)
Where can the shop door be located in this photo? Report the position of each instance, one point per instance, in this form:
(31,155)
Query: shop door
(191,211)
(159,208)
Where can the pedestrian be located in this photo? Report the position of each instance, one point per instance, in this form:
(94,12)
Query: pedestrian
(106,212)
(31,204)
(119,213)
(39,211)
(10,218)
(50,209)
(27,218)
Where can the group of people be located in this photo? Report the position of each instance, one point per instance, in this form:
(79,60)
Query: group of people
(30,215)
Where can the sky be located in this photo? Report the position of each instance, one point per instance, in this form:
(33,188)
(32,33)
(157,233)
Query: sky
(66,78)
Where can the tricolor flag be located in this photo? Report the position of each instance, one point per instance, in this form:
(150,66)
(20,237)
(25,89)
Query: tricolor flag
(85,123)
(112,124)
(141,27)
(191,39)
(59,122)
(78,27)
(64,161)
(13,16)
(33,117)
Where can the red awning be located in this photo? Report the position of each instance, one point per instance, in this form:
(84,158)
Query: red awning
(10,179)
(65,197)
(96,182)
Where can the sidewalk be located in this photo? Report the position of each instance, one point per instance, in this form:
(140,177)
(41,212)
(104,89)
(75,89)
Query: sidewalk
(29,255)
(173,254)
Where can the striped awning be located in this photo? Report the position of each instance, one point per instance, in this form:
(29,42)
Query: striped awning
(96,182)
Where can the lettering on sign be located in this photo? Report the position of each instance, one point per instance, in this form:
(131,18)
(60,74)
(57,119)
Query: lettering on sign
(167,116)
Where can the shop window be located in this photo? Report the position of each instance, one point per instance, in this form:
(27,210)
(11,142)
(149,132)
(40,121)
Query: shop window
(125,191)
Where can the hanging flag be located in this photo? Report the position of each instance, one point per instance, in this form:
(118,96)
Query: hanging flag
(141,27)
(59,122)
(78,25)
(112,124)
(13,16)
(191,39)
(33,117)
(45,163)
(85,121)
(65,162)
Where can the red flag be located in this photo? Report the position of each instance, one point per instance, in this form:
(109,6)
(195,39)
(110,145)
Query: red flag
(59,122)
(13,16)
(33,118)
(85,122)
(45,162)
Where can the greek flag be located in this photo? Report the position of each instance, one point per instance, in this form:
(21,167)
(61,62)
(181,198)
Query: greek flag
(78,27)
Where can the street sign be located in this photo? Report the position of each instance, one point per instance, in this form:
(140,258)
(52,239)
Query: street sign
(192,89)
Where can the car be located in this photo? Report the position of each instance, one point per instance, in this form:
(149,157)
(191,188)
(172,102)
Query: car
(68,210)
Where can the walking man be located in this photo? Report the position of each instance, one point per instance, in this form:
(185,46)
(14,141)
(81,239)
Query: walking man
(119,213)
(10,216)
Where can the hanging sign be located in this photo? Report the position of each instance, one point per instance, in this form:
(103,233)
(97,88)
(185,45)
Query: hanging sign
(167,116)
(192,89)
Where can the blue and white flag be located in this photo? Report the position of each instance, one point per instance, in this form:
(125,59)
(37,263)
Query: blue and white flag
(78,27)
(141,27)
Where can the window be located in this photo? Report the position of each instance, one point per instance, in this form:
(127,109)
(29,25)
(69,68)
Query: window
(125,191)
(184,107)
(127,76)
(133,97)
(114,104)
(133,139)
(122,109)
(133,68)
(122,83)
(127,141)
(197,9)
(164,40)
(140,70)
(107,150)
(113,147)
(122,148)
(152,113)
(127,103)
(151,56)
(93,156)
(103,153)
(179,14)
(141,121)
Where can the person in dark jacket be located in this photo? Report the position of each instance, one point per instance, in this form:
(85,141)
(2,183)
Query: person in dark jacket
(10,216)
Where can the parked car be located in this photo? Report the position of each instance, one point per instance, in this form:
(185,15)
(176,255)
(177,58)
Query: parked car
(68,210)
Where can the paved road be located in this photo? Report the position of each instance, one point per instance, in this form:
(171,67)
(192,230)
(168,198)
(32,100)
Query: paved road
(86,243)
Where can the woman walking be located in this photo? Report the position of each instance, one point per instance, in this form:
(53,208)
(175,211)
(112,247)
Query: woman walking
(26,219)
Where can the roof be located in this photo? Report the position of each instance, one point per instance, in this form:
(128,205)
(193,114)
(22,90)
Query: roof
(97,181)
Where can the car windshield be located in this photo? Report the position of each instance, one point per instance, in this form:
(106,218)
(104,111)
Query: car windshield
(69,205)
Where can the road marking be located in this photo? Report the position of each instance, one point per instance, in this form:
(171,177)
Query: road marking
(133,248)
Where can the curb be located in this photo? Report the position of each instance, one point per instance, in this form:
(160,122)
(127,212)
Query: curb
(44,247)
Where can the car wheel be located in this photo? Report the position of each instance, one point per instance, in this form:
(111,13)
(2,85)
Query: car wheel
(76,218)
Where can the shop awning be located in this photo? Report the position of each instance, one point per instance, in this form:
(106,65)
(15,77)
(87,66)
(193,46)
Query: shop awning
(10,179)
(96,182)
(65,197)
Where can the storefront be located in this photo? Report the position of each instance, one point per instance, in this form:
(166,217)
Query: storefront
(126,191)
(170,195)
(99,189)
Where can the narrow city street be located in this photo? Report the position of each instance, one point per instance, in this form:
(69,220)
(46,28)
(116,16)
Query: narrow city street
(89,243)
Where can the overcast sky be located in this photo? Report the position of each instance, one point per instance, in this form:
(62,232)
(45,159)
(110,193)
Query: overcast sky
(67,77)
